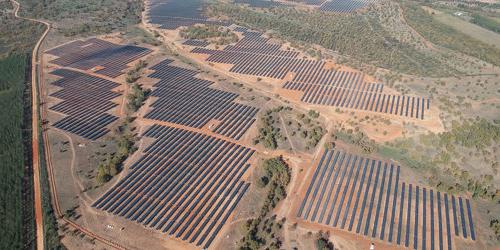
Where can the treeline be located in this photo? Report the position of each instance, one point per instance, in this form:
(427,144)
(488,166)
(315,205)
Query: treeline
(218,34)
(137,94)
(485,22)
(357,138)
(136,97)
(50,225)
(477,134)
(305,127)
(269,135)
(112,165)
(88,17)
(12,162)
(495,226)
(136,72)
(359,36)
(263,231)
(447,37)
(323,241)
(125,138)
(442,155)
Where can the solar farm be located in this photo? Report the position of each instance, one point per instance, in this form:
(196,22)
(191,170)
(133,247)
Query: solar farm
(174,14)
(343,6)
(313,2)
(102,57)
(260,3)
(366,196)
(197,43)
(185,184)
(234,137)
(254,55)
(86,100)
(186,100)
(338,6)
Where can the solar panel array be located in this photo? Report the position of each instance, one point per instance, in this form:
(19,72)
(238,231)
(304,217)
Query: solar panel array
(186,100)
(111,59)
(344,6)
(347,89)
(260,3)
(312,2)
(172,14)
(366,196)
(186,184)
(86,99)
(255,55)
(195,42)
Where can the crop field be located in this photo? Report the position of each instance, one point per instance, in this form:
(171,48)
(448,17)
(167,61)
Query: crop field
(186,100)
(185,184)
(86,99)
(254,55)
(172,14)
(102,57)
(367,197)
(344,6)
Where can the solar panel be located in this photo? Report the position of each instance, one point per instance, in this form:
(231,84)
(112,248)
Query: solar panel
(186,184)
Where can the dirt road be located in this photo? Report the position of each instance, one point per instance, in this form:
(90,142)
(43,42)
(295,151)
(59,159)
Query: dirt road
(36,82)
(40,240)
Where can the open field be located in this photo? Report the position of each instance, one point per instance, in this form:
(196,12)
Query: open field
(460,25)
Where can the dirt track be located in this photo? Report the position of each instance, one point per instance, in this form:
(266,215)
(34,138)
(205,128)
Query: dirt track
(40,240)
(36,79)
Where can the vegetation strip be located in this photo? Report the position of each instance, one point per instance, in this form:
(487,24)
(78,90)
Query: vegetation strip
(263,230)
